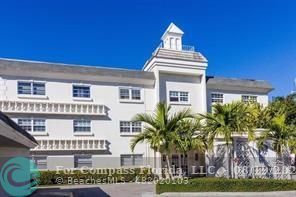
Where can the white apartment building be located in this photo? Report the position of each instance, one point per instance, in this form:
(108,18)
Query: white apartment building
(81,115)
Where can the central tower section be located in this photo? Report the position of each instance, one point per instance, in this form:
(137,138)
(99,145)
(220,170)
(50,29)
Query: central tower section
(180,72)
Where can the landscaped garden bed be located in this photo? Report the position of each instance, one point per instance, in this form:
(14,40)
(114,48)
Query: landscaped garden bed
(225,185)
(106,176)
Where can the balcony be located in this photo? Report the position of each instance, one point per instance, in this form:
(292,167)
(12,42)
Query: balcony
(52,108)
(68,145)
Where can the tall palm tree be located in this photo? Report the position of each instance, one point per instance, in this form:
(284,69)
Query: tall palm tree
(189,136)
(226,120)
(283,136)
(159,129)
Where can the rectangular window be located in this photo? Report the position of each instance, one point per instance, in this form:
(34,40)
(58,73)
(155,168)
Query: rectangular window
(82,161)
(82,125)
(131,160)
(130,127)
(40,162)
(174,96)
(81,91)
(217,98)
(179,97)
(184,97)
(133,94)
(38,88)
(38,125)
(136,127)
(125,127)
(136,94)
(26,124)
(124,93)
(32,125)
(249,99)
(31,88)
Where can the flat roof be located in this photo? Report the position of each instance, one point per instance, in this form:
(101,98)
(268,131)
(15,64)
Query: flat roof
(71,71)
(37,69)
(235,84)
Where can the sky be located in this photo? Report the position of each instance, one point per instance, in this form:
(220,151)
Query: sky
(240,38)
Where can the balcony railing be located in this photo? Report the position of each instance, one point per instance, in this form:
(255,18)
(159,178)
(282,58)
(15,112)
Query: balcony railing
(52,108)
(62,145)
(188,48)
(175,47)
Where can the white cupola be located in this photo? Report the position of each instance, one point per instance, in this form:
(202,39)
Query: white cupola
(172,38)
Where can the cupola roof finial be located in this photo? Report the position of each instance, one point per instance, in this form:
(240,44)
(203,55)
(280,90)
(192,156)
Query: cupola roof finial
(172,29)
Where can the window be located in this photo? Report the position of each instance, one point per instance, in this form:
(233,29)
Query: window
(82,125)
(132,94)
(124,94)
(82,161)
(40,161)
(136,127)
(31,88)
(136,94)
(125,127)
(174,96)
(131,160)
(217,98)
(249,99)
(81,91)
(179,97)
(184,97)
(130,127)
(32,125)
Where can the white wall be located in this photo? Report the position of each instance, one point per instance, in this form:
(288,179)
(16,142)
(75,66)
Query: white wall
(191,84)
(235,96)
(103,127)
(107,127)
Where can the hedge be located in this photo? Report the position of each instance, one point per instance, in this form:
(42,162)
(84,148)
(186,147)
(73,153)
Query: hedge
(137,174)
(225,185)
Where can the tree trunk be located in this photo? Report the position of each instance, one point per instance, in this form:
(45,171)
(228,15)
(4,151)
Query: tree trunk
(169,167)
(154,159)
(228,158)
(180,164)
(231,159)
(283,165)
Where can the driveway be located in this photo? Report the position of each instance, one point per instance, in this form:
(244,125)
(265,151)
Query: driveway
(123,190)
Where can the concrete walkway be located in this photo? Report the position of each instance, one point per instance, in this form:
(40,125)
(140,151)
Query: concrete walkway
(234,194)
(122,190)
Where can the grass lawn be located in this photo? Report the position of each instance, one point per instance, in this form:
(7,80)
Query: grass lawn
(225,185)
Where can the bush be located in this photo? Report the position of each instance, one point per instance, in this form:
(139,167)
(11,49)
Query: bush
(106,176)
(225,185)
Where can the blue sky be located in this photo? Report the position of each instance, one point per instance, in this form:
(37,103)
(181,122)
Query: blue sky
(240,38)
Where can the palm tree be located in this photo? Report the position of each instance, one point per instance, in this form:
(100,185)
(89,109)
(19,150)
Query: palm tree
(226,120)
(159,130)
(189,136)
(282,136)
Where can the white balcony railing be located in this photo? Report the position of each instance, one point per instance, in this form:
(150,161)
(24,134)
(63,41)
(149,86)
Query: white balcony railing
(188,48)
(178,48)
(69,144)
(52,108)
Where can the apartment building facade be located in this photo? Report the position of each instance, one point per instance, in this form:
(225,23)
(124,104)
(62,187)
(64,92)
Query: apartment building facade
(81,115)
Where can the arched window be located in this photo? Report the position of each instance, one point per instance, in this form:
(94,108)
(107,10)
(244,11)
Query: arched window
(172,44)
(178,47)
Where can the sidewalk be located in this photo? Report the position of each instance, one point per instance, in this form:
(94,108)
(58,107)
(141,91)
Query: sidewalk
(234,194)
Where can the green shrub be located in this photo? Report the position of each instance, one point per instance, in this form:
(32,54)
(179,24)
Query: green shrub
(130,175)
(225,185)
